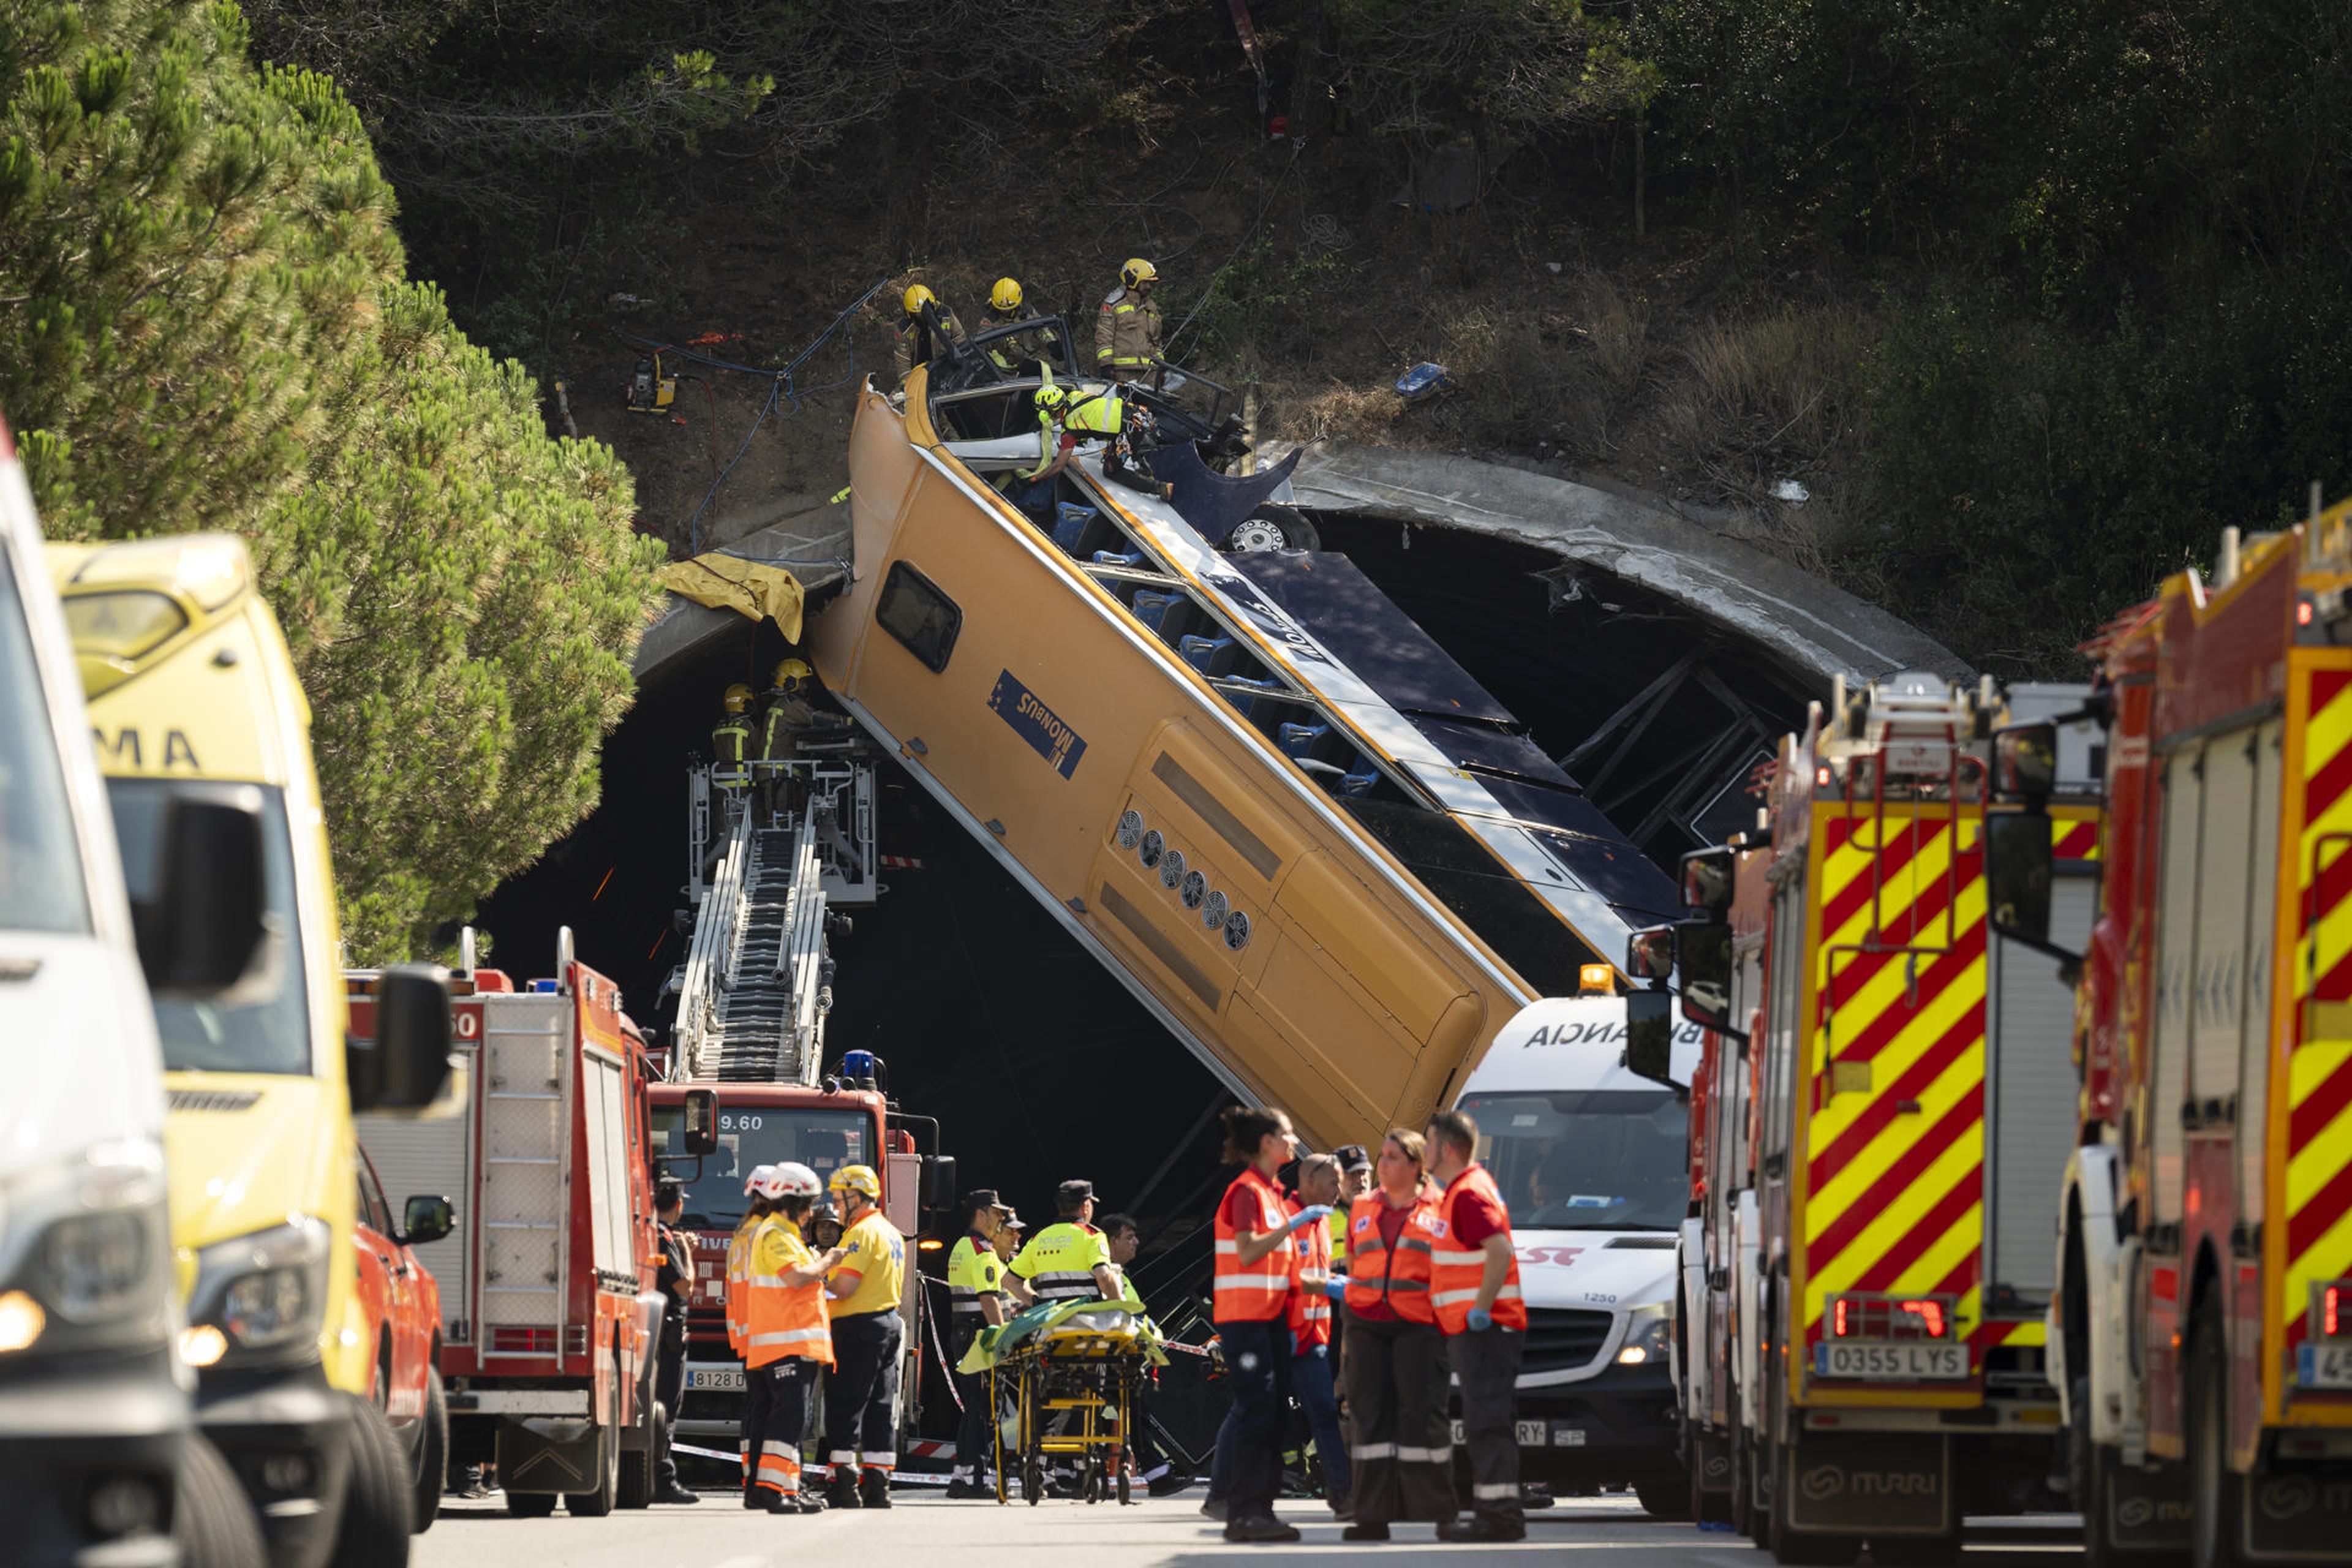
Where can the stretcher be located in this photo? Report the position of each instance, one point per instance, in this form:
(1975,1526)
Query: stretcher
(1071,1371)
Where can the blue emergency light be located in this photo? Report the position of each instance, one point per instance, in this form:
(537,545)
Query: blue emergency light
(858,1067)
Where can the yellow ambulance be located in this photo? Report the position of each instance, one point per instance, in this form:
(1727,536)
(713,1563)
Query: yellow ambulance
(194,699)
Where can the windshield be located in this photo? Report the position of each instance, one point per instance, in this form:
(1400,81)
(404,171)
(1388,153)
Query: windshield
(824,1140)
(41,872)
(264,1024)
(1587,1159)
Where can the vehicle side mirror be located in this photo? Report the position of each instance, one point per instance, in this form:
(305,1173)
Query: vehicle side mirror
(1708,876)
(2018,871)
(1650,954)
(1703,953)
(2025,763)
(423,1219)
(939,1183)
(404,1067)
(201,925)
(701,1129)
(1650,1036)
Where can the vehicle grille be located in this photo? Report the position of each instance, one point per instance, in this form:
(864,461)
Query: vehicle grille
(1562,1339)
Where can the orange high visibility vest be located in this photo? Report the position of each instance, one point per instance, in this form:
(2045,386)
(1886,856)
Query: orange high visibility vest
(1455,1273)
(738,1248)
(783,1320)
(1376,1274)
(1252,1292)
(1310,1307)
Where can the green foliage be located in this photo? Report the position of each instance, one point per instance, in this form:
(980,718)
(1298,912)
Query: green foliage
(201,286)
(1519,67)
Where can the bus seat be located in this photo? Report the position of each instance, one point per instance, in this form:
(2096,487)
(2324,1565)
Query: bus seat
(1070,522)
(1209,656)
(1298,740)
(1249,706)
(1113,558)
(1360,777)
(1163,613)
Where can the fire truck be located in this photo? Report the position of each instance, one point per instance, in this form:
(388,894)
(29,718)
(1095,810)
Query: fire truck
(548,1317)
(1865,1264)
(2202,1332)
(771,849)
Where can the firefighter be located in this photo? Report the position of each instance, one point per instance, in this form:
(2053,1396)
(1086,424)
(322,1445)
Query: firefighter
(1068,1261)
(1036,348)
(918,342)
(1127,329)
(861,1397)
(788,715)
(1255,1255)
(739,1275)
(730,739)
(673,1278)
(1310,1316)
(785,1336)
(1401,1457)
(1473,1284)
(1032,488)
(978,1300)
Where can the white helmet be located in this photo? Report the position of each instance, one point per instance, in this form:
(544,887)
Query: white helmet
(753,1183)
(792,1179)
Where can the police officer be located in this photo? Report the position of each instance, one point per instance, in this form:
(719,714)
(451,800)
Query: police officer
(1127,329)
(861,1398)
(918,342)
(673,1278)
(1473,1284)
(784,1337)
(1068,1260)
(730,739)
(978,1300)
(1006,1244)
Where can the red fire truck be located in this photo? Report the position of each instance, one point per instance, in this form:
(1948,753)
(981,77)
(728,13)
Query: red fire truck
(2202,1332)
(549,1314)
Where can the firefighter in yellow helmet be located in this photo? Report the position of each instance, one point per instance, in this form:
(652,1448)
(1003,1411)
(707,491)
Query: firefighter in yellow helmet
(1018,353)
(1127,328)
(861,1397)
(790,715)
(918,329)
(729,740)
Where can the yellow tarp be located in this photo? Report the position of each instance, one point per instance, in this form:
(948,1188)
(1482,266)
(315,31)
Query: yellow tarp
(730,583)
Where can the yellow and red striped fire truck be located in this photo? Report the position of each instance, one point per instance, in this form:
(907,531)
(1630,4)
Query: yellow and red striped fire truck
(2203,1330)
(1887,1122)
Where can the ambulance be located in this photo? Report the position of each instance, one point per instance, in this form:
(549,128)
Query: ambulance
(193,704)
(1593,1163)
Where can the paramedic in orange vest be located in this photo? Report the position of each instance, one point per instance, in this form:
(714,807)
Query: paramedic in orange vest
(1401,1449)
(1474,1283)
(1254,1266)
(1311,1372)
(738,1264)
(784,1335)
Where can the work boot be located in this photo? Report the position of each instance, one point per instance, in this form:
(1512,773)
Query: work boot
(1213,1508)
(1343,1508)
(1376,1530)
(753,1498)
(1265,1528)
(874,1488)
(783,1503)
(674,1493)
(960,1490)
(1481,1529)
(842,1491)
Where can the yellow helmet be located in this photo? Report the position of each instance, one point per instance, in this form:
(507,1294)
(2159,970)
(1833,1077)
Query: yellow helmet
(1137,270)
(1007,295)
(739,697)
(917,297)
(790,671)
(1051,399)
(858,1179)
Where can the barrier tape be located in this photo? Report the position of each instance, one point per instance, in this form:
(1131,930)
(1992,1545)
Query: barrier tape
(939,1350)
(897,1478)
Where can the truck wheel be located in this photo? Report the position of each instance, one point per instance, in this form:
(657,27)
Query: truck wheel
(1745,1517)
(1273,527)
(598,1503)
(211,1518)
(432,1457)
(376,1524)
(530,1505)
(1808,1548)
(2214,1487)
(636,1489)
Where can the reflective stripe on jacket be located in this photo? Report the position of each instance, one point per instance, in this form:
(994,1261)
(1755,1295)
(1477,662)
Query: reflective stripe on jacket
(1402,1279)
(1252,1292)
(1095,413)
(1127,331)
(1455,1271)
(783,1320)
(738,1255)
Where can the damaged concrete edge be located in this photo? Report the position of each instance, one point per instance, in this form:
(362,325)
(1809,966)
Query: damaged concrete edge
(1820,629)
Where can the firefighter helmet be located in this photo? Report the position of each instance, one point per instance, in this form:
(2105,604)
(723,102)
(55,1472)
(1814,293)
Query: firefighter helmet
(790,1180)
(858,1179)
(1005,298)
(739,697)
(917,297)
(752,1184)
(1137,270)
(1052,400)
(790,673)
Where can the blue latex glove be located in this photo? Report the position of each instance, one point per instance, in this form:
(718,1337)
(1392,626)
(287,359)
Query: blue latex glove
(1313,1214)
(1336,1286)
(1481,1319)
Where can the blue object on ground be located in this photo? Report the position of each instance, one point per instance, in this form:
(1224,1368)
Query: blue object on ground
(1423,380)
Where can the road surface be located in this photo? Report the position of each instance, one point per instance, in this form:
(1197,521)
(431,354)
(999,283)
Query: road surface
(1604,1533)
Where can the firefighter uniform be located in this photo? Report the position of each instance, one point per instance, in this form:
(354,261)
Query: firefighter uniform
(861,1397)
(975,1276)
(914,344)
(1060,1261)
(1126,334)
(731,740)
(785,1339)
(1486,1361)
(1401,1447)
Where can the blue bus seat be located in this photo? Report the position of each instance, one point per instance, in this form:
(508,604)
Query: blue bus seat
(1070,522)
(1163,613)
(1209,656)
(1360,777)
(1113,558)
(1298,740)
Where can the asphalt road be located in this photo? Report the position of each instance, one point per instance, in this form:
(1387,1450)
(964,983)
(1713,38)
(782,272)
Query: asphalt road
(1606,1532)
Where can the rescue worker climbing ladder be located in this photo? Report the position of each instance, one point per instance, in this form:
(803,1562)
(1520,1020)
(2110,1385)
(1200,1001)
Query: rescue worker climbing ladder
(730,741)
(861,1397)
